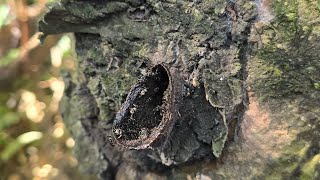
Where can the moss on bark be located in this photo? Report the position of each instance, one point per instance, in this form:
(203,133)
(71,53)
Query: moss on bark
(207,43)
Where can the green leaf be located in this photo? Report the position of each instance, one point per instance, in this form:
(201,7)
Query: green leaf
(65,44)
(4,138)
(29,137)
(14,146)
(8,119)
(4,14)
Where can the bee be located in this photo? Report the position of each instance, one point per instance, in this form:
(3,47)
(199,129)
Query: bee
(157,108)
(111,140)
(143,133)
(132,110)
(156,89)
(143,92)
(118,133)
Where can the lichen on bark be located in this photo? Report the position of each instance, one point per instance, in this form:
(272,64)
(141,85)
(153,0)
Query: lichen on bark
(205,44)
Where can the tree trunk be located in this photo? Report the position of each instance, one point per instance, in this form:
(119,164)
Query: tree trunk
(198,89)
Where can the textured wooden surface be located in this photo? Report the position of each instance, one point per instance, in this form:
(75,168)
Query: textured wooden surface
(256,62)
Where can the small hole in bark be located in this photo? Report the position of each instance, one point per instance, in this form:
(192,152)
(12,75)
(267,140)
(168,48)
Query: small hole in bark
(142,110)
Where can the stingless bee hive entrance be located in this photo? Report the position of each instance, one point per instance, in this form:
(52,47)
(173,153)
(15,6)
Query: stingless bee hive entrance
(144,109)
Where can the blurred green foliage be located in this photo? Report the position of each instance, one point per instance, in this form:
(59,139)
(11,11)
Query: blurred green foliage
(33,140)
(14,145)
(4,14)
(9,57)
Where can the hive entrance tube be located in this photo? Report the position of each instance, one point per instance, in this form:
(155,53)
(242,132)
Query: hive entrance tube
(143,115)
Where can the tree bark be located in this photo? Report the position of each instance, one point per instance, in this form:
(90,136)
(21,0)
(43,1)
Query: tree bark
(192,89)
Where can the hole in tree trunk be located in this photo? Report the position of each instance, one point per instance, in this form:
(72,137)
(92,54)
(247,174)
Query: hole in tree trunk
(140,117)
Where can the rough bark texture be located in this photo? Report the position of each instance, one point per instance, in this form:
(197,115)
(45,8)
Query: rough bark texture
(178,73)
